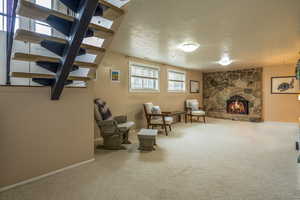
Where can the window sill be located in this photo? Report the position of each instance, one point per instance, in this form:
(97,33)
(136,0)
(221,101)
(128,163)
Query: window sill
(144,91)
(176,91)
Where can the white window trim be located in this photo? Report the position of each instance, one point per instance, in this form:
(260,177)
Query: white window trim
(143,90)
(185,81)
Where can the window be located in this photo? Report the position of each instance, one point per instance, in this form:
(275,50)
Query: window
(176,81)
(3,17)
(143,78)
(41,27)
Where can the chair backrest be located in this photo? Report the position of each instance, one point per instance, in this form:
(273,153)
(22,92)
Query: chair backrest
(189,102)
(148,107)
(97,115)
(102,112)
(148,110)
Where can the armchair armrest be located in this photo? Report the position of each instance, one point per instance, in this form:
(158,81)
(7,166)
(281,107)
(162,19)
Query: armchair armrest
(121,119)
(107,123)
(159,115)
(108,127)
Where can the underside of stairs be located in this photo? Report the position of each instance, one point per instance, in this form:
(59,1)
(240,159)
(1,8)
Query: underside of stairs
(74,27)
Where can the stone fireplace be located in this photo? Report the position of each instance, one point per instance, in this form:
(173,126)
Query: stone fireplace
(235,95)
(237,105)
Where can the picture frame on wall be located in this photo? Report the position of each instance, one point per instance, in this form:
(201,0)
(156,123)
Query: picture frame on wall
(115,76)
(194,86)
(285,85)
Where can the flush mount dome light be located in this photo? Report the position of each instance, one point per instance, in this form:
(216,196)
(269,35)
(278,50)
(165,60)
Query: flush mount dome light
(225,60)
(189,47)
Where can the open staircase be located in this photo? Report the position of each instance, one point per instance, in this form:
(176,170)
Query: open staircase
(75,27)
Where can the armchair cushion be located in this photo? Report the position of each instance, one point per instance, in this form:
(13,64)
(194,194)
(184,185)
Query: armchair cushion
(194,106)
(125,126)
(168,120)
(198,112)
(192,103)
(155,110)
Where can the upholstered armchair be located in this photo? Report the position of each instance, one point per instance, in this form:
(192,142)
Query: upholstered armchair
(114,130)
(155,117)
(193,110)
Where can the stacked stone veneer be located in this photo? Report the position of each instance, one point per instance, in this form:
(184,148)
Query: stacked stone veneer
(218,87)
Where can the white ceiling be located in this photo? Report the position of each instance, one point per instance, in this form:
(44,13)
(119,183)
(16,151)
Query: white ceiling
(252,32)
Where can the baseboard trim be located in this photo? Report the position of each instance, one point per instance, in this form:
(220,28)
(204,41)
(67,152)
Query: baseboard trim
(45,175)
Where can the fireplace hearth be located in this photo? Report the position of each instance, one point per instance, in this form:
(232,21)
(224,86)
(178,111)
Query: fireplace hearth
(237,105)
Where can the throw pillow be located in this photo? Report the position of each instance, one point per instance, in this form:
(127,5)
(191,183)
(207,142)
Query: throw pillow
(194,106)
(155,110)
(103,109)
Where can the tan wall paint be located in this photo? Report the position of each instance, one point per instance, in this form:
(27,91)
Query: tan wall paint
(38,135)
(279,107)
(121,101)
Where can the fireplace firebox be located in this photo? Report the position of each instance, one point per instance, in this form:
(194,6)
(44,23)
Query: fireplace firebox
(237,105)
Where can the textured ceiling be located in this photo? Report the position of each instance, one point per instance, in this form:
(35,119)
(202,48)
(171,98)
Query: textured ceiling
(252,32)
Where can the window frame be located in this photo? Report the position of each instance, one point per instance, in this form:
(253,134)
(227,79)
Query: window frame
(3,21)
(144,90)
(184,81)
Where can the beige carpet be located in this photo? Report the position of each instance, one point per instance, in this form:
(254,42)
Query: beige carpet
(222,160)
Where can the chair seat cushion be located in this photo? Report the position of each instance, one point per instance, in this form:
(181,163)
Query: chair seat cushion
(168,120)
(126,126)
(198,112)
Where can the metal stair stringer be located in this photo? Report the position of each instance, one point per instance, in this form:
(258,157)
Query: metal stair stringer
(77,34)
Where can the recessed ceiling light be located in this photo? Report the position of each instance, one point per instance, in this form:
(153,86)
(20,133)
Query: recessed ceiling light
(189,47)
(225,60)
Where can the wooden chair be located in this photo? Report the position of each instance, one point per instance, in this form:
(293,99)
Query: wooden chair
(163,119)
(193,110)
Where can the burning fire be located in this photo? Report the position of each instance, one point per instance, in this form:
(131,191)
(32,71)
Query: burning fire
(237,107)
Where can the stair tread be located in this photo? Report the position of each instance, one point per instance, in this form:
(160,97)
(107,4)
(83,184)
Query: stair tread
(34,11)
(46,76)
(116,9)
(36,58)
(33,37)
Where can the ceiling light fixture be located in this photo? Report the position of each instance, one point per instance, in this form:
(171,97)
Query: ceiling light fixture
(189,47)
(225,60)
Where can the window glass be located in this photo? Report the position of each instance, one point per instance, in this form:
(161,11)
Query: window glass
(176,81)
(144,78)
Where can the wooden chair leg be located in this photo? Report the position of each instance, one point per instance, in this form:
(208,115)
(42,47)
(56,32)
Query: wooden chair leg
(191,116)
(204,119)
(170,128)
(166,130)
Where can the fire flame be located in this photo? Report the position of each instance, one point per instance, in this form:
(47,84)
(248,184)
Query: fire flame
(237,107)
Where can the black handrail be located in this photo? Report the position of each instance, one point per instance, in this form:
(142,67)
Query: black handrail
(10,28)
